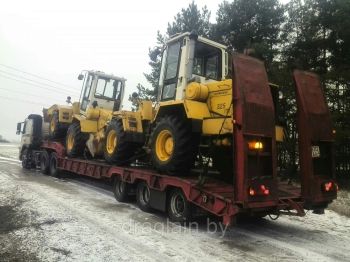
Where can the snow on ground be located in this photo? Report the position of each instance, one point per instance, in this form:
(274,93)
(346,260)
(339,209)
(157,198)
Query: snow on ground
(47,219)
(9,150)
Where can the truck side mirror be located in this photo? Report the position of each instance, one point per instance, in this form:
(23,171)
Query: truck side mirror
(19,125)
(81,77)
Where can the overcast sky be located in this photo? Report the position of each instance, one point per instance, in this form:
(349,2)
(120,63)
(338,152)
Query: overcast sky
(55,40)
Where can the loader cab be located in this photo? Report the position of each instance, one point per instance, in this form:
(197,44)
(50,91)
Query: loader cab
(187,58)
(101,91)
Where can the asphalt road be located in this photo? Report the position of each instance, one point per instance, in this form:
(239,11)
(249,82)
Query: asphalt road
(78,219)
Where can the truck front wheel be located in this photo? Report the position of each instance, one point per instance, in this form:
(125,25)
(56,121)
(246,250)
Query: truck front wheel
(24,160)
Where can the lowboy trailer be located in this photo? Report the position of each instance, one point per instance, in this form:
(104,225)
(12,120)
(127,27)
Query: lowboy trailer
(255,189)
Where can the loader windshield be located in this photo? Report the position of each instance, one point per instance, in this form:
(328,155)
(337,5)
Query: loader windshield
(207,61)
(108,88)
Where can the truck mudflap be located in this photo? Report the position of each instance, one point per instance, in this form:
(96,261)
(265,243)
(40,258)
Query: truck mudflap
(255,162)
(316,142)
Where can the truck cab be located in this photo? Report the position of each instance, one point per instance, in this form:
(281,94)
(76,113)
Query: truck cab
(32,130)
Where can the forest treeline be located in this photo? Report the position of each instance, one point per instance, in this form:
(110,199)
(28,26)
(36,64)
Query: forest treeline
(310,35)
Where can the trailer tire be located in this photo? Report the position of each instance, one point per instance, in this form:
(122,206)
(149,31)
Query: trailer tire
(117,150)
(121,190)
(54,171)
(179,208)
(174,146)
(24,160)
(143,196)
(57,129)
(45,162)
(75,143)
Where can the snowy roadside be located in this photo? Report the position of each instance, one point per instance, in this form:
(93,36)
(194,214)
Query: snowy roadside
(46,219)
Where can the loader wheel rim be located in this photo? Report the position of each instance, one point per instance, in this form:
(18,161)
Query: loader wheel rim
(111,142)
(53,124)
(164,145)
(177,205)
(70,143)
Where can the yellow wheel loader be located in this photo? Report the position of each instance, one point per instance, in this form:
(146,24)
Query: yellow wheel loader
(193,115)
(84,123)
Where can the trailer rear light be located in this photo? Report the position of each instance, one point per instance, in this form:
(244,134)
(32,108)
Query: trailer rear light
(262,190)
(334,131)
(255,145)
(329,186)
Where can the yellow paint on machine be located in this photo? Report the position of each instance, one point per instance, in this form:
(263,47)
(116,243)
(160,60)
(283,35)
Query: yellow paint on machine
(65,115)
(132,121)
(196,110)
(212,126)
(88,126)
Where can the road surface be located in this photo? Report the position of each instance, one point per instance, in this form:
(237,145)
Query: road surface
(77,219)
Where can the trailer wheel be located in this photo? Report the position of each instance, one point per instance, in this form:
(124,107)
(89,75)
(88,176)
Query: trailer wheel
(75,143)
(45,163)
(143,196)
(174,146)
(117,150)
(57,129)
(179,209)
(24,160)
(54,172)
(121,190)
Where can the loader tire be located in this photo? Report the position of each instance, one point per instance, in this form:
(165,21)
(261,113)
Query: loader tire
(174,146)
(75,143)
(57,129)
(54,171)
(45,162)
(117,150)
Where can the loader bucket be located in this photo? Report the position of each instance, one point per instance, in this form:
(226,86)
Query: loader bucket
(316,143)
(255,162)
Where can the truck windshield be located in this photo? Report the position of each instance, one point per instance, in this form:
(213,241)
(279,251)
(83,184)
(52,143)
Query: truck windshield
(108,88)
(207,61)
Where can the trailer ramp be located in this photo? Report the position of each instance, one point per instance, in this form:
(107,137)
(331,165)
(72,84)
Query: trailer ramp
(316,142)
